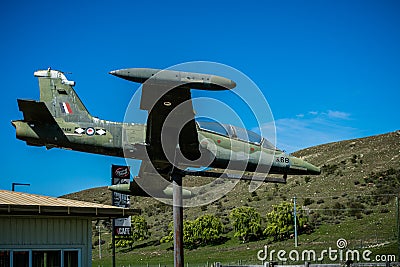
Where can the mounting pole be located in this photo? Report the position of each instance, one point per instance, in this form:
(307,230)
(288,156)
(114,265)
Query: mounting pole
(176,177)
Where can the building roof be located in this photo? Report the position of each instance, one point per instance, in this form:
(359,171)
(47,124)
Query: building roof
(17,203)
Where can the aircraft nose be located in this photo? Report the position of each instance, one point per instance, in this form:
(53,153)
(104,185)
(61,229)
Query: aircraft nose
(300,166)
(313,170)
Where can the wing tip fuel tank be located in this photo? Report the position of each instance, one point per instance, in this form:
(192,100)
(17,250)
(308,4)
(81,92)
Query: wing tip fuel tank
(134,190)
(193,80)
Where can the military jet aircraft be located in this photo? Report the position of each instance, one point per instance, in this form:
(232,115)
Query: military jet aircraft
(171,140)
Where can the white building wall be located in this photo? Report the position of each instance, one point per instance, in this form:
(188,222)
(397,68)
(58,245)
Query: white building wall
(42,232)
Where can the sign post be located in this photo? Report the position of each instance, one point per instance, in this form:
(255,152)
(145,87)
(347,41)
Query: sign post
(120,226)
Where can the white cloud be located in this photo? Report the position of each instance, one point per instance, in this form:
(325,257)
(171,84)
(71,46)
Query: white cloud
(338,115)
(312,129)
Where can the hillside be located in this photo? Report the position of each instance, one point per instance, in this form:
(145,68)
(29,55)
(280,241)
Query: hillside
(353,198)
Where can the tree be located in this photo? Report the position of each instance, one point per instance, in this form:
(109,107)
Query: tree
(170,237)
(246,223)
(205,230)
(280,222)
(308,201)
(139,232)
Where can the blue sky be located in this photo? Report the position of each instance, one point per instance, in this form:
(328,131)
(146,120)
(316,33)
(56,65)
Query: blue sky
(330,70)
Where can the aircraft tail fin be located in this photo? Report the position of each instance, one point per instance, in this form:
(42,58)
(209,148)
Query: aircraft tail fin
(57,92)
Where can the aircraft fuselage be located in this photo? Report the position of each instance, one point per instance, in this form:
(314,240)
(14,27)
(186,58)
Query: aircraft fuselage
(129,140)
(60,120)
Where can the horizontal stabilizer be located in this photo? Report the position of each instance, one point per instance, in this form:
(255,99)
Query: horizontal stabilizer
(35,111)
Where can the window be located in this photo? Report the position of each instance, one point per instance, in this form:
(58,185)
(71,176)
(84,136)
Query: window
(232,131)
(213,127)
(4,258)
(247,135)
(40,258)
(51,258)
(267,144)
(71,258)
(253,137)
(20,258)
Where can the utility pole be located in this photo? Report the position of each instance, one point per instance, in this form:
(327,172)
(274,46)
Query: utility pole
(295,221)
(98,227)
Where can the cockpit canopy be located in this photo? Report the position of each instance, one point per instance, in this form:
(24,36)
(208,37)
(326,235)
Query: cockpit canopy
(235,132)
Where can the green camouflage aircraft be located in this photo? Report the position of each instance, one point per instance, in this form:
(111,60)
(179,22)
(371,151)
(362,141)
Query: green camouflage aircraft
(171,140)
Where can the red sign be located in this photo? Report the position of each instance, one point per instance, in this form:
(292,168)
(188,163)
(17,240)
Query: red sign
(120,171)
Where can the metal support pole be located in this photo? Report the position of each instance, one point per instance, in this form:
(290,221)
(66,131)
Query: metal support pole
(295,221)
(113,242)
(112,224)
(178,218)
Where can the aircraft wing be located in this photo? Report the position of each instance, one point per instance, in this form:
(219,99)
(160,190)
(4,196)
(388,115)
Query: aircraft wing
(170,124)
(171,135)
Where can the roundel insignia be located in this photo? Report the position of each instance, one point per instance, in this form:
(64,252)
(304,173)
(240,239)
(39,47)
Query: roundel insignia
(90,131)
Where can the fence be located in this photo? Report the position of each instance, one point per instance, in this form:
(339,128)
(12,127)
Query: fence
(306,264)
